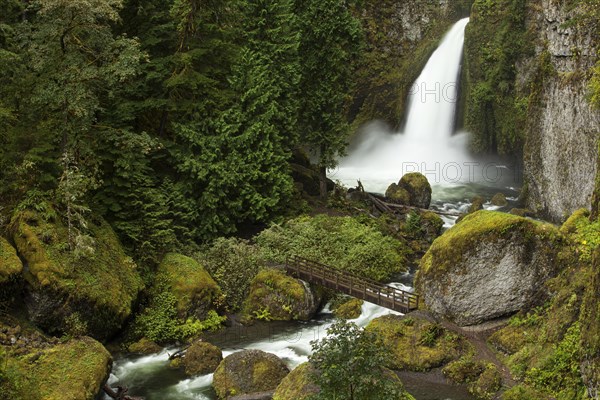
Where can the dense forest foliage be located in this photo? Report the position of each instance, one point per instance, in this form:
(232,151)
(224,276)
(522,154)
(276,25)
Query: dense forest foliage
(145,111)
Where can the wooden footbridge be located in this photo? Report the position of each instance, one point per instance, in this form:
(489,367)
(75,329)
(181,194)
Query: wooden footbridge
(361,288)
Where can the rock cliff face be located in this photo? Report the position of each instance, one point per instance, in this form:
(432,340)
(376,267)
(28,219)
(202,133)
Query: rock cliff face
(400,37)
(538,55)
(561,146)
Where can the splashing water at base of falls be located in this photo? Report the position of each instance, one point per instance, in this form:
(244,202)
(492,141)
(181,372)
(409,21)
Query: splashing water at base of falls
(379,157)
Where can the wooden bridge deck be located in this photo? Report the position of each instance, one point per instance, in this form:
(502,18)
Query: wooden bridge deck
(365,289)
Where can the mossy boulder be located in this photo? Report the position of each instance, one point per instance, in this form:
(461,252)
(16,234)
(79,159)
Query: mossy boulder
(298,384)
(275,296)
(195,291)
(144,346)
(91,281)
(417,344)
(201,358)
(349,309)
(464,370)
(248,371)
(418,188)
(490,265)
(477,203)
(499,200)
(76,369)
(397,194)
(10,264)
(181,303)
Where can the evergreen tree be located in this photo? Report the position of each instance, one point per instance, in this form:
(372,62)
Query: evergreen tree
(331,40)
(249,179)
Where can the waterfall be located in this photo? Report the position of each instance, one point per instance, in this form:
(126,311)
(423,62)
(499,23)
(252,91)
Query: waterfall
(427,143)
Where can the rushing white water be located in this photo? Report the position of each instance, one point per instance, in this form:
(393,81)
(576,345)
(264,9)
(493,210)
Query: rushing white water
(152,374)
(427,143)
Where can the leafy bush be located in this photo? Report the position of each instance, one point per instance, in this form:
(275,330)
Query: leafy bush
(349,364)
(341,242)
(233,264)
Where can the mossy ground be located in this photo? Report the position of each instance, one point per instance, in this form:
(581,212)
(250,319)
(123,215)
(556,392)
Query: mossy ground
(416,344)
(275,296)
(101,284)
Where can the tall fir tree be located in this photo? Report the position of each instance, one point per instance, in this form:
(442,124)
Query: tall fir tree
(249,179)
(331,41)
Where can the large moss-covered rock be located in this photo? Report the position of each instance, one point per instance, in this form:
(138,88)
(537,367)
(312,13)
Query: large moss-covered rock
(298,384)
(194,289)
(488,266)
(74,370)
(182,302)
(351,308)
(275,296)
(91,282)
(418,188)
(202,358)
(10,264)
(416,344)
(397,194)
(248,371)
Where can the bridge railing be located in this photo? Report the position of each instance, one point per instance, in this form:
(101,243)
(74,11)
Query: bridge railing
(366,289)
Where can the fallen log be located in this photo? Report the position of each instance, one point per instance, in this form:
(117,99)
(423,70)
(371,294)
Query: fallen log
(391,206)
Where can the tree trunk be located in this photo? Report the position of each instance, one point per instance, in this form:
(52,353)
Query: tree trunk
(323,182)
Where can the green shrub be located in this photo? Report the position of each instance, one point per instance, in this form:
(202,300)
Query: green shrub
(341,242)
(464,370)
(233,263)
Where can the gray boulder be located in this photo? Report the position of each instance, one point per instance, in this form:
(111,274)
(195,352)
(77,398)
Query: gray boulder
(490,265)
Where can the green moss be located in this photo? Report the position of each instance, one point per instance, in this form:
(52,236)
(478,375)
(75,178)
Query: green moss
(341,242)
(297,385)
(144,346)
(464,370)
(248,371)
(350,309)
(10,264)
(202,358)
(397,194)
(522,392)
(73,370)
(181,302)
(101,284)
(417,345)
(275,296)
(584,234)
(194,289)
(448,250)
(488,383)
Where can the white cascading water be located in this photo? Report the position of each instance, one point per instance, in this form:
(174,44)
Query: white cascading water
(427,143)
(427,138)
